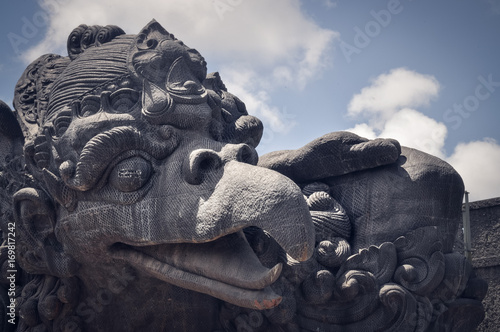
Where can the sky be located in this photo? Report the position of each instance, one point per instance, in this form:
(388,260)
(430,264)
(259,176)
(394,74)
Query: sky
(425,72)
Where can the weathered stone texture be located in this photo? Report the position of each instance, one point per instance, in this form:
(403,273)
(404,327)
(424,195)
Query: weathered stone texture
(485,233)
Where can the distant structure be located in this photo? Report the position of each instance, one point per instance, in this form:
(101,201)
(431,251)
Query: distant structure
(485,234)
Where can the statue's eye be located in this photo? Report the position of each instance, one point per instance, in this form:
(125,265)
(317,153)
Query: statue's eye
(130,174)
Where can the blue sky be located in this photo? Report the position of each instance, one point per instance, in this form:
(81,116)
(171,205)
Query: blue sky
(424,72)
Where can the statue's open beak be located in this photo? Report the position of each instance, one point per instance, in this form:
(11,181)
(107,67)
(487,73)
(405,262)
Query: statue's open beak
(216,258)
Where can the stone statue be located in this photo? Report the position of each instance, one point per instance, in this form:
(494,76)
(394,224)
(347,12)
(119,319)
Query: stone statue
(130,179)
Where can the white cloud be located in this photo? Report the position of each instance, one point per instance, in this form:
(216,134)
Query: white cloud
(329,4)
(416,130)
(246,31)
(477,162)
(388,93)
(363,130)
(412,129)
(242,82)
(385,107)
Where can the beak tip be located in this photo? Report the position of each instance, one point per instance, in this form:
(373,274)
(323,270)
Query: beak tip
(267,303)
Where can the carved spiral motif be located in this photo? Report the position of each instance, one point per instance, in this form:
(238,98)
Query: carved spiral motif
(354,283)
(329,217)
(89,37)
(421,261)
(333,253)
(107,33)
(318,288)
(74,41)
(37,308)
(321,201)
(85,36)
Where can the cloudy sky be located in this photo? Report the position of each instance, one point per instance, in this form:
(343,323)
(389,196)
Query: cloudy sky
(425,72)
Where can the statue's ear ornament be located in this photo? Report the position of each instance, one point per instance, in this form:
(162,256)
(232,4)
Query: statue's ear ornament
(35,218)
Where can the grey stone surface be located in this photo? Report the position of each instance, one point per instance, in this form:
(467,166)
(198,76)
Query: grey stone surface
(485,236)
(140,204)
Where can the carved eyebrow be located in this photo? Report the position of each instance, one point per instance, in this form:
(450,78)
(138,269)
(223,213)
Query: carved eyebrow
(103,148)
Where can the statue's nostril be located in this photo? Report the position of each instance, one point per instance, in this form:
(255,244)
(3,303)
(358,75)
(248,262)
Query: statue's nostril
(207,164)
(201,162)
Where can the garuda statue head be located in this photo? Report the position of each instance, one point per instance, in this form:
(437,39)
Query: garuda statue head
(143,169)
